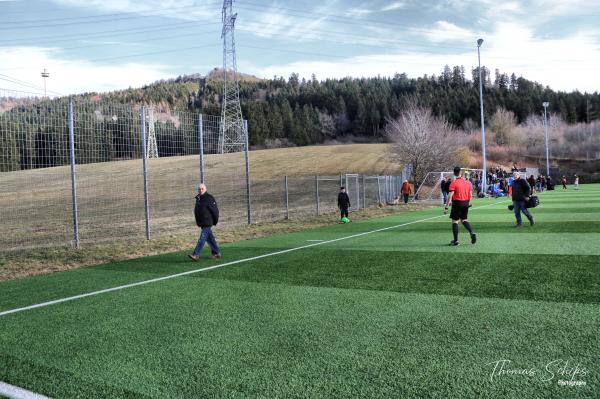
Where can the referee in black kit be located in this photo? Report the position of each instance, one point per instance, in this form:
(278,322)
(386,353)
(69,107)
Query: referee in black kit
(460,196)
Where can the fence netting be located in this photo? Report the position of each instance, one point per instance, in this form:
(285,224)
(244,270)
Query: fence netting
(135,174)
(35,188)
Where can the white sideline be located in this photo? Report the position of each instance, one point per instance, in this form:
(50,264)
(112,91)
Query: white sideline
(154,280)
(13,392)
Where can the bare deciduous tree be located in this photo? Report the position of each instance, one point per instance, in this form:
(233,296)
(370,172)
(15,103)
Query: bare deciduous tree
(419,138)
(503,124)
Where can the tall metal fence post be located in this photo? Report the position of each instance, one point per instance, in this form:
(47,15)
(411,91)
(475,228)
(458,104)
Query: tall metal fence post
(287,198)
(201,146)
(246,150)
(346,185)
(342,181)
(364,192)
(378,190)
(357,191)
(145,168)
(317,194)
(73,175)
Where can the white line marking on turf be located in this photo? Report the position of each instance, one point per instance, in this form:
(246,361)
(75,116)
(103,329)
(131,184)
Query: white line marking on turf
(13,392)
(235,262)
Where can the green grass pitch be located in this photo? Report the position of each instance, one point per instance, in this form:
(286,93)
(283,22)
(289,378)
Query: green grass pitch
(391,314)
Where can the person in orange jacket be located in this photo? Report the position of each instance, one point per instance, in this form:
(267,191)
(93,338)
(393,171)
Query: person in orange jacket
(406,190)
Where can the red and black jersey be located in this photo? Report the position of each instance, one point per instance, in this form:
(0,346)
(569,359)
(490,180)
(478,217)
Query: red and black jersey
(462,189)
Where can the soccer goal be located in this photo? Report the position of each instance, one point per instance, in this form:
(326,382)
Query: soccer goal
(430,189)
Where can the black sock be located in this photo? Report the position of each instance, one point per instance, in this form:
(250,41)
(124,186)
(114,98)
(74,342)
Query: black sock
(468,227)
(455,231)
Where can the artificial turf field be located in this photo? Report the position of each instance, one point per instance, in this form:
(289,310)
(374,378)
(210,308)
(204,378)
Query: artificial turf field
(389,313)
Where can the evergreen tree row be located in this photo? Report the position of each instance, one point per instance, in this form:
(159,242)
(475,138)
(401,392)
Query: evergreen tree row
(280,111)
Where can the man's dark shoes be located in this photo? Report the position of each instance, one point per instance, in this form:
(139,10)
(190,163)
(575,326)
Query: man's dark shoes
(531,222)
(473,238)
(518,225)
(454,243)
(193,258)
(215,256)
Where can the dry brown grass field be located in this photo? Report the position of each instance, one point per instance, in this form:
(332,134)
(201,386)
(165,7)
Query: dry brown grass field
(36,206)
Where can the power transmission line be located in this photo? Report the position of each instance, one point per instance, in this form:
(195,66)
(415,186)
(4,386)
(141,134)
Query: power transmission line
(112,32)
(23,83)
(152,53)
(145,38)
(161,12)
(311,16)
(137,13)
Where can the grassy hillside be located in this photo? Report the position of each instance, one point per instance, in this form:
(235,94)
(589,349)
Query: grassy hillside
(322,160)
(36,207)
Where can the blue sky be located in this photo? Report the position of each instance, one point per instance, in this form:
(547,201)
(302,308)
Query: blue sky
(101,45)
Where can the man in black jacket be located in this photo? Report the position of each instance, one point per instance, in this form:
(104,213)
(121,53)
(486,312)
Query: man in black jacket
(520,194)
(207,215)
(445,187)
(343,203)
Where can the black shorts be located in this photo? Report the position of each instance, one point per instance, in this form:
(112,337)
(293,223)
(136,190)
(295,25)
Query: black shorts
(460,210)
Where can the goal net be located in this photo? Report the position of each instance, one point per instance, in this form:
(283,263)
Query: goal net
(430,189)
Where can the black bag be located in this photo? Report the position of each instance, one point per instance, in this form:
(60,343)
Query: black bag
(532,202)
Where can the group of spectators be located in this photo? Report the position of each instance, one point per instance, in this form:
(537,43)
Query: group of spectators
(500,182)
(501,187)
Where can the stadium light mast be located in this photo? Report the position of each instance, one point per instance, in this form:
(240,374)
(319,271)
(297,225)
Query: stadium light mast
(232,133)
(545,104)
(484,174)
(45,74)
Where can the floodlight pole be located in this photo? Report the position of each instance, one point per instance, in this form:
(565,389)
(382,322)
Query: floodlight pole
(545,104)
(484,174)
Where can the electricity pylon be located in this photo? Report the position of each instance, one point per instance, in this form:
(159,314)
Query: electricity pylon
(232,133)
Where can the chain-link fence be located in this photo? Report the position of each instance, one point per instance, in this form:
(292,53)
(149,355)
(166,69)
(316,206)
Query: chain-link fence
(77,172)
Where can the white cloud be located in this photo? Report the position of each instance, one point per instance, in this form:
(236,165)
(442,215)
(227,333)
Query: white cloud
(567,64)
(394,6)
(444,31)
(360,66)
(508,6)
(563,64)
(273,24)
(358,12)
(183,9)
(73,76)
(544,9)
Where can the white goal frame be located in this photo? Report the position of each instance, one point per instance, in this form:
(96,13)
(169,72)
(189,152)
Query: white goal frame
(440,177)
